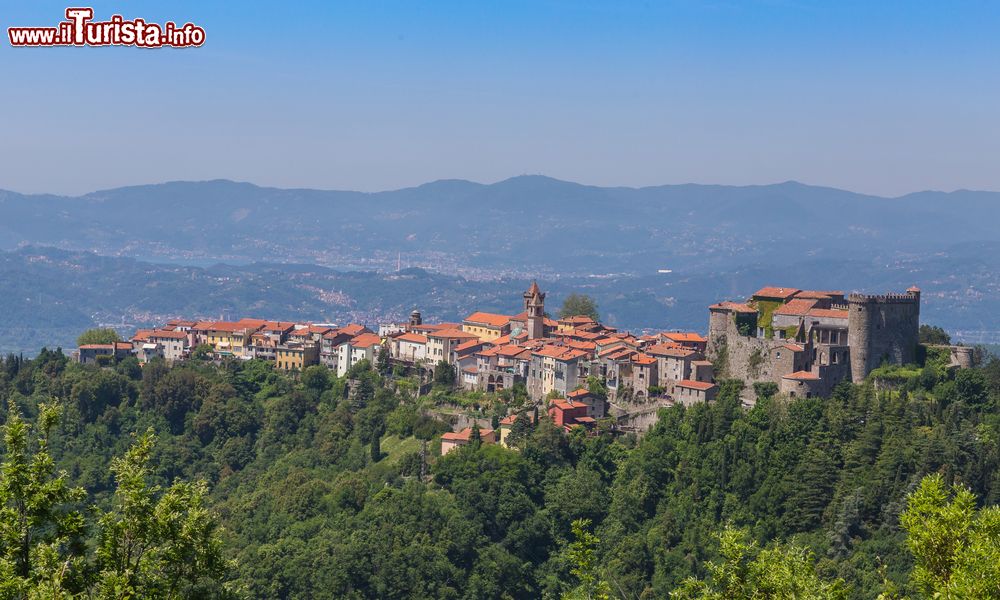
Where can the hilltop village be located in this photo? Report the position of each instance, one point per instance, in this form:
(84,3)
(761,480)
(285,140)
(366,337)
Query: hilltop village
(797,342)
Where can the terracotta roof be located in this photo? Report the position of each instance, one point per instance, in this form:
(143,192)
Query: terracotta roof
(828,313)
(563,404)
(123,346)
(733,307)
(695,385)
(278,326)
(142,335)
(702,363)
(510,419)
(464,435)
(579,345)
(473,369)
(255,323)
(337,337)
(469,345)
(818,294)
(231,327)
(684,336)
(171,335)
(490,319)
(455,334)
(204,325)
(510,350)
(802,375)
(353,329)
(796,307)
(560,352)
(312,330)
(415,338)
(670,350)
(776,292)
(366,340)
(794,347)
(98,346)
(644,359)
(577,319)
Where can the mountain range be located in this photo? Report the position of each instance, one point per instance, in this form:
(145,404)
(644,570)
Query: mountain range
(220,248)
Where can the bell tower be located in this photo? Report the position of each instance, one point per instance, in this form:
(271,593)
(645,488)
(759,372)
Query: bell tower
(534,308)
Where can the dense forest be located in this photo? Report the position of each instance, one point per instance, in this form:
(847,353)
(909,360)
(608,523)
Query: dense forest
(254,483)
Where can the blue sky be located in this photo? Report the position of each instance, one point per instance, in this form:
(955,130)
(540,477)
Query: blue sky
(879,97)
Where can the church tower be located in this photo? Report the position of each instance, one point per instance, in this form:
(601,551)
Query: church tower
(534,308)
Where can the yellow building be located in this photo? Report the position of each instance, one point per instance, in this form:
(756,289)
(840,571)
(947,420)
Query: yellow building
(294,356)
(486,326)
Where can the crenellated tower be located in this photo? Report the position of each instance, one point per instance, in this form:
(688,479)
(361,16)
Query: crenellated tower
(882,328)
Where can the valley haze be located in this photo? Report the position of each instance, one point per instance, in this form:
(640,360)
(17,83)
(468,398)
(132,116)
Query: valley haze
(132,256)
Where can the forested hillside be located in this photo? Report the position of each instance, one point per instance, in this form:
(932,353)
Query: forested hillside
(323,487)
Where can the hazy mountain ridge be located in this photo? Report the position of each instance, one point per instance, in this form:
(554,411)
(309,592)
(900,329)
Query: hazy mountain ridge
(51,295)
(529,224)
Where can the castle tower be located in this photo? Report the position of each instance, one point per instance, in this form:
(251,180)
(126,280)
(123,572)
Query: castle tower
(534,308)
(415,318)
(882,329)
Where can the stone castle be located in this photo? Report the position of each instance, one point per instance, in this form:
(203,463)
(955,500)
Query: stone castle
(808,341)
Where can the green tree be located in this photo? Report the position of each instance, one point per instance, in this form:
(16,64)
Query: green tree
(579,305)
(931,334)
(157,543)
(40,535)
(582,554)
(748,572)
(98,335)
(956,547)
(202,352)
(444,374)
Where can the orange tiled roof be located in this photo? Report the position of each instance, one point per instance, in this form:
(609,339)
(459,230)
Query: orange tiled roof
(485,318)
(695,385)
(170,335)
(828,313)
(415,338)
(580,393)
(670,350)
(818,294)
(776,292)
(464,435)
(796,307)
(455,334)
(644,359)
(353,329)
(802,375)
(366,340)
(733,307)
(795,347)
(684,336)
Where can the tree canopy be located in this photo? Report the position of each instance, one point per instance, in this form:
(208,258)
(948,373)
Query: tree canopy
(100,335)
(204,479)
(579,305)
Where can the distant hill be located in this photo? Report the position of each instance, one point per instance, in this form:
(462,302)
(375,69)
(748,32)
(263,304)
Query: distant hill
(50,295)
(524,225)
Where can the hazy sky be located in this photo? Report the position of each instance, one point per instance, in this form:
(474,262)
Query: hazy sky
(881,97)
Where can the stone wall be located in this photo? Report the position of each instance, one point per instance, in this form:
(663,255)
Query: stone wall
(882,329)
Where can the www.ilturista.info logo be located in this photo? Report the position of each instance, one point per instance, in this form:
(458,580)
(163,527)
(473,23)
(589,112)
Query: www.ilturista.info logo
(79,29)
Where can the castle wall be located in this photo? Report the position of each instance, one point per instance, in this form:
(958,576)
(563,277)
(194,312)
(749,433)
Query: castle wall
(882,328)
